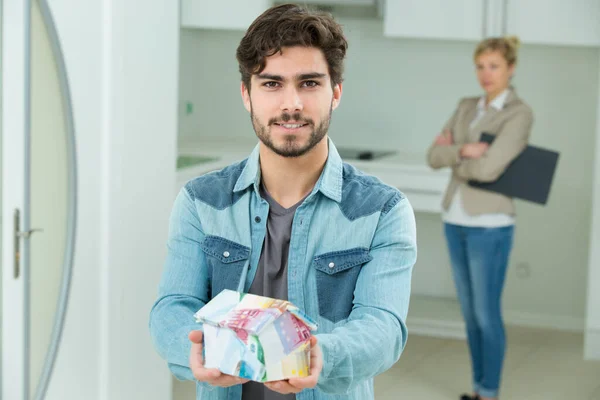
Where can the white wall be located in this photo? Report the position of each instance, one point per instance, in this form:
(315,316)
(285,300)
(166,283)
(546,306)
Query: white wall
(592,337)
(402,91)
(1,185)
(122,64)
(140,133)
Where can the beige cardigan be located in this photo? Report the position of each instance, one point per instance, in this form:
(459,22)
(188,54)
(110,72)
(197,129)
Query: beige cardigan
(511,125)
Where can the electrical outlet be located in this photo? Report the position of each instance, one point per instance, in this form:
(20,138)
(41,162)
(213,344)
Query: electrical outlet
(189,108)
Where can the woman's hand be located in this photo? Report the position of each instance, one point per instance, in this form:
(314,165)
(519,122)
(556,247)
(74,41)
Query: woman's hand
(444,138)
(473,150)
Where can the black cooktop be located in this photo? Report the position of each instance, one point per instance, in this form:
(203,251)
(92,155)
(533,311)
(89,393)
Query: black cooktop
(362,154)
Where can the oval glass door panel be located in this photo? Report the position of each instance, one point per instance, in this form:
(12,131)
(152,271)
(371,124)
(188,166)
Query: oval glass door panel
(51,182)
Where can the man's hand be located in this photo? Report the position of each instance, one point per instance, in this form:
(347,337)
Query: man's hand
(444,138)
(296,385)
(212,376)
(473,150)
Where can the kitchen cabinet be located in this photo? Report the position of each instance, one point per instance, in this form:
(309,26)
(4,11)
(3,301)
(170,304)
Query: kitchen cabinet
(340,2)
(548,22)
(554,22)
(435,19)
(222,14)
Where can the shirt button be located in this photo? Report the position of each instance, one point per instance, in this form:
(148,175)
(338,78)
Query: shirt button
(257,219)
(331,265)
(226,254)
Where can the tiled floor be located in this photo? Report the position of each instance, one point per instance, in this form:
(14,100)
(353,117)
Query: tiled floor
(539,364)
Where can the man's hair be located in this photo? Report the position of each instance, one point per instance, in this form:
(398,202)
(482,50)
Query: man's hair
(290,25)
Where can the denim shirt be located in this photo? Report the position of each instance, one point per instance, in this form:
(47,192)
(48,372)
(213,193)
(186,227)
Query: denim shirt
(351,255)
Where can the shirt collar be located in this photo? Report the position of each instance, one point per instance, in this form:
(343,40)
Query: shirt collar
(251,173)
(497,103)
(329,183)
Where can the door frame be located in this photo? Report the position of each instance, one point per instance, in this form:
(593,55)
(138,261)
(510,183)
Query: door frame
(16,42)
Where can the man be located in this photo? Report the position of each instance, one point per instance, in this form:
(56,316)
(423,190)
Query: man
(292,222)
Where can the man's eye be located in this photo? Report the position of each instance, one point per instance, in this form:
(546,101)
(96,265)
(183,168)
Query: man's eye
(271,85)
(310,83)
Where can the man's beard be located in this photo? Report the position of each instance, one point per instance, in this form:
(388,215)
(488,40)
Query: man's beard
(291,147)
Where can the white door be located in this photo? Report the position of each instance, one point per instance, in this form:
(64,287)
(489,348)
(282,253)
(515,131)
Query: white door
(38,186)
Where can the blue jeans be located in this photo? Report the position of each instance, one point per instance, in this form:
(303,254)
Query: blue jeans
(479,258)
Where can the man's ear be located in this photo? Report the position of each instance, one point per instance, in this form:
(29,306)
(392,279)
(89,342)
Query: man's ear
(245,96)
(337,96)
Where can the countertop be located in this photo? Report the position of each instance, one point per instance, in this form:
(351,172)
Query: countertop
(215,154)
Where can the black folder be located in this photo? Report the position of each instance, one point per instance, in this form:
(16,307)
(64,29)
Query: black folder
(528,177)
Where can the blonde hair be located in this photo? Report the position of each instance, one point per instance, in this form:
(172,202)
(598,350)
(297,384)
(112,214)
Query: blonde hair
(507,46)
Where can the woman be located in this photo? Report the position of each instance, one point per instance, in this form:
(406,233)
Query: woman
(479,224)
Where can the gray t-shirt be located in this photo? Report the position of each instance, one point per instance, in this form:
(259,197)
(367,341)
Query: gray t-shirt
(271,276)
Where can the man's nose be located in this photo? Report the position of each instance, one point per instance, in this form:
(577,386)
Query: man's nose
(291,100)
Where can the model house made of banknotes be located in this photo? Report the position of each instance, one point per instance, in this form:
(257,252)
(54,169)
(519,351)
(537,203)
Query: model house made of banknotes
(255,337)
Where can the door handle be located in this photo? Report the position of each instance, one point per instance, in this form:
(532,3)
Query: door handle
(18,235)
(27,234)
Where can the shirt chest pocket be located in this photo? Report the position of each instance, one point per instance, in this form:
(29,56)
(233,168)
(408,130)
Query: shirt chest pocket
(226,261)
(336,275)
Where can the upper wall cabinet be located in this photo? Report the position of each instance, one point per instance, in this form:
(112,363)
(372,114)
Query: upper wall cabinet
(554,22)
(221,14)
(340,2)
(435,19)
(551,22)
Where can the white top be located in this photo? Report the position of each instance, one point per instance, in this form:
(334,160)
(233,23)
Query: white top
(456,213)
